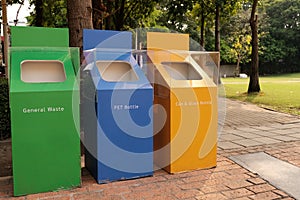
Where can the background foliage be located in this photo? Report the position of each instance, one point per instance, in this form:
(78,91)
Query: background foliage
(279,25)
(4,110)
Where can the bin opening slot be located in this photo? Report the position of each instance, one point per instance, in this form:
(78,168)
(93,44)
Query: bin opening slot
(116,71)
(42,71)
(181,71)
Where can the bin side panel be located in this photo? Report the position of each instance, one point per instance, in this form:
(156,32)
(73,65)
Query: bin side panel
(161,138)
(45,142)
(75,59)
(88,119)
(193,128)
(124,134)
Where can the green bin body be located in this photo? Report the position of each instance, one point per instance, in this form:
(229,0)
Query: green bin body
(44,103)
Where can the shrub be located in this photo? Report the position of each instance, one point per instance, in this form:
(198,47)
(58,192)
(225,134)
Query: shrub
(4,110)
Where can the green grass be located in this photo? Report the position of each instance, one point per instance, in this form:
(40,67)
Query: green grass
(279,92)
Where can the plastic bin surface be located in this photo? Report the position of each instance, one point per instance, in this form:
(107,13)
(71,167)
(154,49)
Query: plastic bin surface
(188,139)
(120,146)
(44,103)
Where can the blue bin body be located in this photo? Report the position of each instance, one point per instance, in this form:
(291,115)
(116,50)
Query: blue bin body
(118,126)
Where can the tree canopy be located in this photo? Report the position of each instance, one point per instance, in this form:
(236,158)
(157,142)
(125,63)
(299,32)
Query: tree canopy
(278,25)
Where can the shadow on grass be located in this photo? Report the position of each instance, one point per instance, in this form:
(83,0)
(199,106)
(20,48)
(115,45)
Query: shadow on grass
(252,96)
(249,97)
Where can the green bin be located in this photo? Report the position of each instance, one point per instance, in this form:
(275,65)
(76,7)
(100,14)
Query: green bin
(44,103)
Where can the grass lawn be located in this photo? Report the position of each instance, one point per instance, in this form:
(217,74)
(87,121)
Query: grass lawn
(279,92)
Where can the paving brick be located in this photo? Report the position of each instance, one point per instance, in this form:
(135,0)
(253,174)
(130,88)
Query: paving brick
(237,193)
(152,179)
(195,178)
(192,185)
(256,180)
(170,186)
(237,171)
(217,196)
(237,184)
(230,137)
(213,189)
(147,187)
(3,194)
(213,182)
(47,195)
(226,167)
(238,177)
(267,134)
(285,131)
(95,195)
(187,194)
(5,188)
(116,190)
(243,198)
(247,129)
(161,197)
(266,140)
(247,142)
(224,163)
(5,181)
(59,197)
(247,135)
(218,175)
(260,188)
(284,138)
(265,128)
(228,145)
(281,193)
(297,135)
(265,196)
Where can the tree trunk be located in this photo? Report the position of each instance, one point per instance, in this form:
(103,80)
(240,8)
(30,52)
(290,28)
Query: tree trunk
(119,19)
(109,20)
(39,13)
(202,43)
(254,76)
(79,17)
(217,28)
(237,69)
(97,15)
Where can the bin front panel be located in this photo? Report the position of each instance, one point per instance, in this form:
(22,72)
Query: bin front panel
(46,142)
(188,139)
(124,134)
(193,128)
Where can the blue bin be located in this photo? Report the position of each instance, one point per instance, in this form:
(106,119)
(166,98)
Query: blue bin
(117,124)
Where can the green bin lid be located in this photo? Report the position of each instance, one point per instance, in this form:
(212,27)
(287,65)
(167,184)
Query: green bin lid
(22,36)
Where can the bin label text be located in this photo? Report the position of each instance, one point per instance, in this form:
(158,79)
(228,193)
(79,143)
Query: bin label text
(43,110)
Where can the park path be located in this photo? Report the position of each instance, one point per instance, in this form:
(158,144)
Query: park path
(247,129)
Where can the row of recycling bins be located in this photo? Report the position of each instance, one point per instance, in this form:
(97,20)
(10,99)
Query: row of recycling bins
(129,119)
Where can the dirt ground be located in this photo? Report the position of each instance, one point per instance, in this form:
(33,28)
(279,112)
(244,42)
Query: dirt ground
(5,158)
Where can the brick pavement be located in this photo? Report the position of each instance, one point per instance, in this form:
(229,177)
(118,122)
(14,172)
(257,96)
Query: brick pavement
(247,129)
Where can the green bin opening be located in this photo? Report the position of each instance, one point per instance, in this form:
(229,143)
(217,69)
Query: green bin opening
(42,71)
